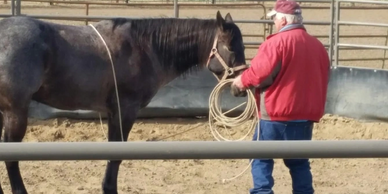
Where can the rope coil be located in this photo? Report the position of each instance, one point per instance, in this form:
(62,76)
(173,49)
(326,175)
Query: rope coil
(218,118)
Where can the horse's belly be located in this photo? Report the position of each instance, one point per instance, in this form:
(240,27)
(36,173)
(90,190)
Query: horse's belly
(71,98)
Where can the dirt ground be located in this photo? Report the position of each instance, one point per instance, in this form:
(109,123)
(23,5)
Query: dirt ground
(331,176)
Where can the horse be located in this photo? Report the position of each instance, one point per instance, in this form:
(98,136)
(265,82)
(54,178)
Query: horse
(115,66)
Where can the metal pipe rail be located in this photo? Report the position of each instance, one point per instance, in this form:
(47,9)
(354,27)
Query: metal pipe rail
(363,46)
(264,22)
(254,45)
(348,59)
(271,22)
(211,5)
(343,46)
(363,59)
(350,23)
(144,4)
(192,150)
(367,2)
(97,18)
(327,36)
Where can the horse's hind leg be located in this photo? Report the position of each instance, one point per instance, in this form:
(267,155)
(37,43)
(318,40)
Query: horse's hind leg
(128,113)
(15,125)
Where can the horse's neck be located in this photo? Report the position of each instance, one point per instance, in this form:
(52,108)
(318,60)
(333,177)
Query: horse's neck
(186,49)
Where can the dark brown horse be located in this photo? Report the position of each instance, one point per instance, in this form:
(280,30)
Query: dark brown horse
(69,68)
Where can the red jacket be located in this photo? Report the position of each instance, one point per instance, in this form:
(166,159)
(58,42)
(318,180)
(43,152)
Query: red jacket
(290,73)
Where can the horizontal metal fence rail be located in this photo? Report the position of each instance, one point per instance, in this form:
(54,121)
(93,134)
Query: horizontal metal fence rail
(27,151)
(249,44)
(266,23)
(359,1)
(349,23)
(205,4)
(363,46)
(337,35)
(153,4)
(327,36)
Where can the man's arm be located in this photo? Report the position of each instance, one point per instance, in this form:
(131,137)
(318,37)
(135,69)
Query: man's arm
(264,67)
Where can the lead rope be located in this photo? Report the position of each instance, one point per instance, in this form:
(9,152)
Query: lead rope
(114,78)
(215,113)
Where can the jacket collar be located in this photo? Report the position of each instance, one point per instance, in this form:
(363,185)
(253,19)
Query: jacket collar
(288,28)
(292,26)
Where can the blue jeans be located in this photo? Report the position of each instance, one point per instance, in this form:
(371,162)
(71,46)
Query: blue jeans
(302,181)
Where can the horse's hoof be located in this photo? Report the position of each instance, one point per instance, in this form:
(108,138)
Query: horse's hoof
(110,191)
(18,192)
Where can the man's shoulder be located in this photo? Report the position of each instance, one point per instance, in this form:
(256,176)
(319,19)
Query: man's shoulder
(305,35)
(286,34)
(273,39)
(283,38)
(316,41)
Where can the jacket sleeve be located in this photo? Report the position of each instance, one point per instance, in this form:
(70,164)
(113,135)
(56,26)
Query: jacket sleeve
(264,66)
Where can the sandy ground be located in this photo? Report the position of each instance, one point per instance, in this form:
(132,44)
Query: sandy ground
(331,176)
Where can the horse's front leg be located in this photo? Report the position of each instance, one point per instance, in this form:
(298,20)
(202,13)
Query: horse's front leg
(128,112)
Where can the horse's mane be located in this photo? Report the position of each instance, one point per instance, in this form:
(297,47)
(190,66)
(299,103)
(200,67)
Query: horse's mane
(183,44)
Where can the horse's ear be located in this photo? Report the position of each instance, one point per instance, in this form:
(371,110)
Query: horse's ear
(228,18)
(220,20)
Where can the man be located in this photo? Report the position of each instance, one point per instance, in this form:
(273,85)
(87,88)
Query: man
(290,73)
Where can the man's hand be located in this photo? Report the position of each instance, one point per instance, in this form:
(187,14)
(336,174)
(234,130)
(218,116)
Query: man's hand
(237,88)
(238,83)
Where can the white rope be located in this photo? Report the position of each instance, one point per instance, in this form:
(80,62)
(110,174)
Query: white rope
(114,77)
(217,117)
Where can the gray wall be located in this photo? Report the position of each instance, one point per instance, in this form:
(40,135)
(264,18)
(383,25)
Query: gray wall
(353,92)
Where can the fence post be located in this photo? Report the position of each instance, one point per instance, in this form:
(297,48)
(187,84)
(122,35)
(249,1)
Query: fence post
(337,17)
(264,17)
(176,9)
(87,13)
(385,51)
(13,7)
(18,7)
(332,9)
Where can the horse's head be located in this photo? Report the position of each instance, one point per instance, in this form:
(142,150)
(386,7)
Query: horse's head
(227,57)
